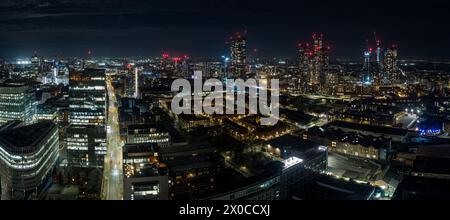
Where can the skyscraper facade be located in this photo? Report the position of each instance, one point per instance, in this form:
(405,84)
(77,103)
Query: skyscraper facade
(86,145)
(86,135)
(390,64)
(238,51)
(313,62)
(16,103)
(320,61)
(87,96)
(367,76)
(132,87)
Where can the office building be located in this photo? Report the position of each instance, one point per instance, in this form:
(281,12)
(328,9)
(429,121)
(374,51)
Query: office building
(86,145)
(16,103)
(86,136)
(28,154)
(87,96)
(147,133)
(145,175)
(296,165)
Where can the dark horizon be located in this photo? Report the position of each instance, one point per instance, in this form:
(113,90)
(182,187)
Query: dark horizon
(200,27)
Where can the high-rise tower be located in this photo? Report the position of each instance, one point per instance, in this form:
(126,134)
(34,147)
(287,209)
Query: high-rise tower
(86,135)
(390,64)
(87,95)
(238,51)
(367,76)
(320,61)
(313,62)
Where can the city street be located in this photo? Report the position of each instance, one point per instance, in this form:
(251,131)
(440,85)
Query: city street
(112,187)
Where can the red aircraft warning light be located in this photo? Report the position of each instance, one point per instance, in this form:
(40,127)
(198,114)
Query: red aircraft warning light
(129,66)
(176,59)
(165,55)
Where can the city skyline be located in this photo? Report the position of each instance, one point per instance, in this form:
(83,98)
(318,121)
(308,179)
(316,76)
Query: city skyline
(200,28)
(224,100)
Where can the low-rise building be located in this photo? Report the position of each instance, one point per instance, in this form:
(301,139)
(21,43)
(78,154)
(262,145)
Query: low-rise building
(352,143)
(395,134)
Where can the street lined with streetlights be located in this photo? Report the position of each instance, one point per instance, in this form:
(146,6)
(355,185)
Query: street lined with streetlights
(112,187)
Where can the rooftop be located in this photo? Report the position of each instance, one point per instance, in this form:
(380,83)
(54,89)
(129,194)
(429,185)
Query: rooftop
(297,116)
(422,188)
(9,83)
(145,128)
(350,137)
(228,180)
(369,128)
(330,188)
(147,148)
(15,136)
(290,142)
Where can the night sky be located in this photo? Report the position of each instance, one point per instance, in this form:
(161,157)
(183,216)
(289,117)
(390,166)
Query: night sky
(200,27)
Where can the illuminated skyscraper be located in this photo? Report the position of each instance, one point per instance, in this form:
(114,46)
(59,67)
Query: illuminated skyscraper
(136,83)
(371,73)
(379,51)
(132,83)
(304,63)
(320,61)
(378,76)
(367,76)
(87,96)
(313,62)
(238,51)
(390,64)
(35,60)
(86,136)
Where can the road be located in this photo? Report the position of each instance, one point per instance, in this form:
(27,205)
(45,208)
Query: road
(112,187)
